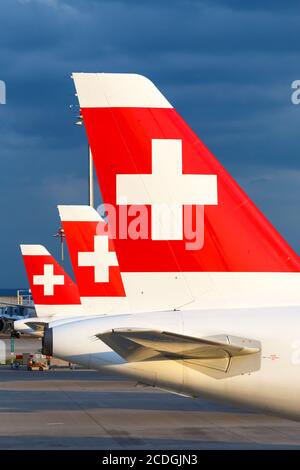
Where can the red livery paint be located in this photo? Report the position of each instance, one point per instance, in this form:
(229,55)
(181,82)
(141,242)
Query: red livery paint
(237,236)
(80,238)
(64,294)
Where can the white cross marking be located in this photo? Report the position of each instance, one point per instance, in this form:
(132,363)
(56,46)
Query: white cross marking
(101,258)
(49,279)
(167,189)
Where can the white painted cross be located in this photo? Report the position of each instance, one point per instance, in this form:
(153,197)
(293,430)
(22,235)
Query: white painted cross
(101,258)
(167,190)
(49,279)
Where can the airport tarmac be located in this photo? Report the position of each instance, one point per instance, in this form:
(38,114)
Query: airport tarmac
(81,409)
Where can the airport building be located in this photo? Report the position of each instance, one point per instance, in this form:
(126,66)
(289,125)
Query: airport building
(13,304)
(16,296)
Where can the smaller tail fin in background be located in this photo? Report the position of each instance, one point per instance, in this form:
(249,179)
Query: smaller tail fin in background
(53,291)
(94,260)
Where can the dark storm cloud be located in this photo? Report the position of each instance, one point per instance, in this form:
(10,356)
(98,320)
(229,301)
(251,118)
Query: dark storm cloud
(260,5)
(226,65)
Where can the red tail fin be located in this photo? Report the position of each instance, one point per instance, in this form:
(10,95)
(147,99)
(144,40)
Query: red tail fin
(92,252)
(146,155)
(52,289)
(187,235)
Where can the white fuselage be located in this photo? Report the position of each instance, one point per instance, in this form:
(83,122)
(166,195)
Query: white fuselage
(274,387)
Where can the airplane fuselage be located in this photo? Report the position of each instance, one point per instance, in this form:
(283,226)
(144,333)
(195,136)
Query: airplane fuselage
(273,385)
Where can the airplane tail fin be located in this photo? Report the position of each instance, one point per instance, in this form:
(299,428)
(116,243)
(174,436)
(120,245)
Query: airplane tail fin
(94,260)
(193,218)
(53,291)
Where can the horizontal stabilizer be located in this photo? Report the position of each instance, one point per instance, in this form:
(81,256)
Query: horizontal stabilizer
(36,325)
(215,352)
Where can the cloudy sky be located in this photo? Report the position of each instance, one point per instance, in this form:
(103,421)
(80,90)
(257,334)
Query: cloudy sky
(226,65)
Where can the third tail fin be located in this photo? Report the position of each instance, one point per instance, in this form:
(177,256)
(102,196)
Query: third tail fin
(53,291)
